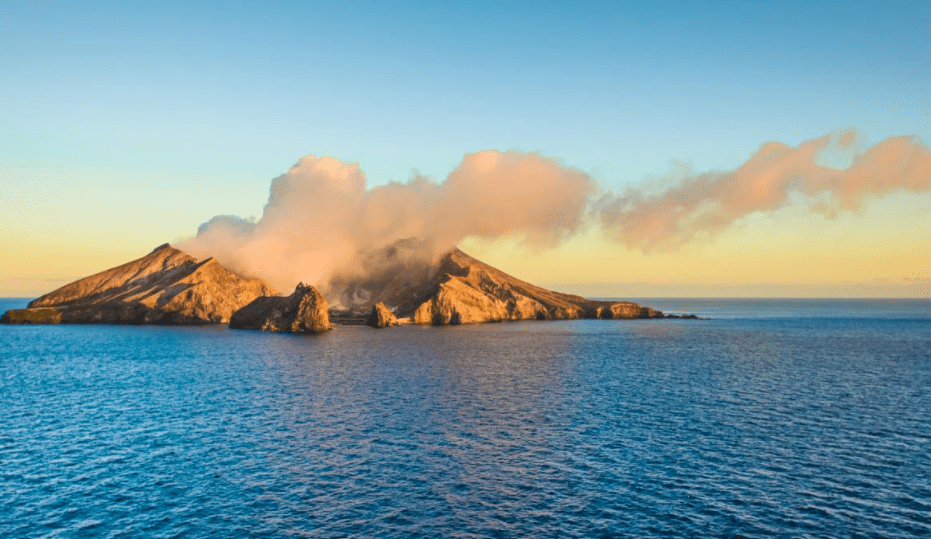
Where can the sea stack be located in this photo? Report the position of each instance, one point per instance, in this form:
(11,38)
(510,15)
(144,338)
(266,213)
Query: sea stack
(167,286)
(382,317)
(304,311)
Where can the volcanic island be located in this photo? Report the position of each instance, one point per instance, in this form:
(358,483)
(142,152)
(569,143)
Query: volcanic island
(171,287)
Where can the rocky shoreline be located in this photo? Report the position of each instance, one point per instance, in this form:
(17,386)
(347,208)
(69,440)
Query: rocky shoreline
(169,287)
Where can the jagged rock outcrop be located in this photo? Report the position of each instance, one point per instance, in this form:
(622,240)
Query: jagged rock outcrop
(304,311)
(381,317)
(167,286)
(462,290)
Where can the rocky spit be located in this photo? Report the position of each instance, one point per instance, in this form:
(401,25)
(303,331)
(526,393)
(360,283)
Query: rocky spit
(168,286)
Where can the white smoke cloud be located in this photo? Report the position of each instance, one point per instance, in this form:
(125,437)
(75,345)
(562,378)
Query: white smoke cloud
(321,220)
(706,203)
(320,217)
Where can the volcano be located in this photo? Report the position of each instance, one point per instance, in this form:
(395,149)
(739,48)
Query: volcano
(167,286)
(458,289)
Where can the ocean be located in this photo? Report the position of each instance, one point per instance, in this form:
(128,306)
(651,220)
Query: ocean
(774,418)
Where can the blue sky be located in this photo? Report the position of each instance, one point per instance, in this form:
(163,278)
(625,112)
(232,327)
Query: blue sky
(618,88)
(212,99)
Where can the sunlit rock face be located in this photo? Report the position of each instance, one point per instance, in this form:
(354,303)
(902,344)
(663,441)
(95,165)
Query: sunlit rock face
(304,311)
(381,317)
(167,286)
(457,289)
(402,283)
(466,291)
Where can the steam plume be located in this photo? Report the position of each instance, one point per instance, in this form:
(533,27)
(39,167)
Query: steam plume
(320,217)
(706,203)
(322,223)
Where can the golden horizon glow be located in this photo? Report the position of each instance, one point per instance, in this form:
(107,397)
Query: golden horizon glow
(880,251)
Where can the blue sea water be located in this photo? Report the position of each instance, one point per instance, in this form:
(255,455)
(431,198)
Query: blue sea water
(776,418)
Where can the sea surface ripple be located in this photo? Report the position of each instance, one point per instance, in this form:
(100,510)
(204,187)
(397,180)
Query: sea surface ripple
(740,426)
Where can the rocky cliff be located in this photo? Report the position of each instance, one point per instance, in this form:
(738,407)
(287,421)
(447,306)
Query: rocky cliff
(304,311)
(459,289)
(381,317)
(167,286)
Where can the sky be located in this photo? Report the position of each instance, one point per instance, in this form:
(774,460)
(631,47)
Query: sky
(126,126)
